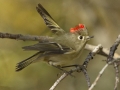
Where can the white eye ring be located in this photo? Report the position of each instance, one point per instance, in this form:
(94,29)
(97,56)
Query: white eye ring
(80,37)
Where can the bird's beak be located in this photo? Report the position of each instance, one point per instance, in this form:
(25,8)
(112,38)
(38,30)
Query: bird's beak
(89,37)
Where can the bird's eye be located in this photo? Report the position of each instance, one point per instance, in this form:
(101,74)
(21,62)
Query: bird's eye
(80,37)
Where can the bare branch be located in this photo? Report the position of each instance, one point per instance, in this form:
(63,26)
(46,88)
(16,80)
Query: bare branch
(113,49)
(58,81)
(89,57)
(110,61)
(98,77)
(116,76)
(24,37)
(110,58)
(94,51)
(63,76)
(103,52)
(86,76)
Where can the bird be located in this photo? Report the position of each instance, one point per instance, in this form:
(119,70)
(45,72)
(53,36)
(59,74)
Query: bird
(63,48)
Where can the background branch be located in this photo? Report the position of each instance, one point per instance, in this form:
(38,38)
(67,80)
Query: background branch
(98,77)
(24,37)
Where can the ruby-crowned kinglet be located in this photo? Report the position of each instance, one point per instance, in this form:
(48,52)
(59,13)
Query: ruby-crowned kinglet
(61,49)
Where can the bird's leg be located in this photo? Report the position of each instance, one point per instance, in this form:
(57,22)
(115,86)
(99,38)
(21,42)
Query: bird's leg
(75,65)
(60,68)
(78,67)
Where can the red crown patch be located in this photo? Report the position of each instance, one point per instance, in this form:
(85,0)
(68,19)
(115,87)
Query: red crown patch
(77,28)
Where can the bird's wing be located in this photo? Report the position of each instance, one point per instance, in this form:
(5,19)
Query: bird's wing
(44,49)
(49,21)
(49,47)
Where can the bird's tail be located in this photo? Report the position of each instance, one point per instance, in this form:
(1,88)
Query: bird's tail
(21,65)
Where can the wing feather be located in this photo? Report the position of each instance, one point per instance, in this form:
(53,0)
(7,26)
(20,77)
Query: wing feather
(49,21)
(48,47)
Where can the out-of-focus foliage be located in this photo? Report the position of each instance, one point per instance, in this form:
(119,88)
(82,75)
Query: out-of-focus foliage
(101,17)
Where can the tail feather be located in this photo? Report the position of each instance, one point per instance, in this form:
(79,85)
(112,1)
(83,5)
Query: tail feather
(21,65)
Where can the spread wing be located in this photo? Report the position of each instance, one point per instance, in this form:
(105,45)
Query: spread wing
(49,21)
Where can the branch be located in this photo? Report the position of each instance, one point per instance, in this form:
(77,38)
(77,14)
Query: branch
(89,57)
(116,76)
(110,58)
(79,68)
(110,61)
(24,37)
(104,52)
(96,50)
(62,77)
(58,81)
(86,76)
(113,49)
(98,77)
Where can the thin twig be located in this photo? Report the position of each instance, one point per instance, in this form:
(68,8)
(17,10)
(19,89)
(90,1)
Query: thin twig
(97,49)
(110,61)
(98,77)
(58,81)
(24,37)
(113,49)
(110,58)
(63,76)
(103,52)
(89,57)
(87,77)
(116,76)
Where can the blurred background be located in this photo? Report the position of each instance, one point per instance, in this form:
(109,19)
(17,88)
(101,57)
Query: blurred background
(101,17)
